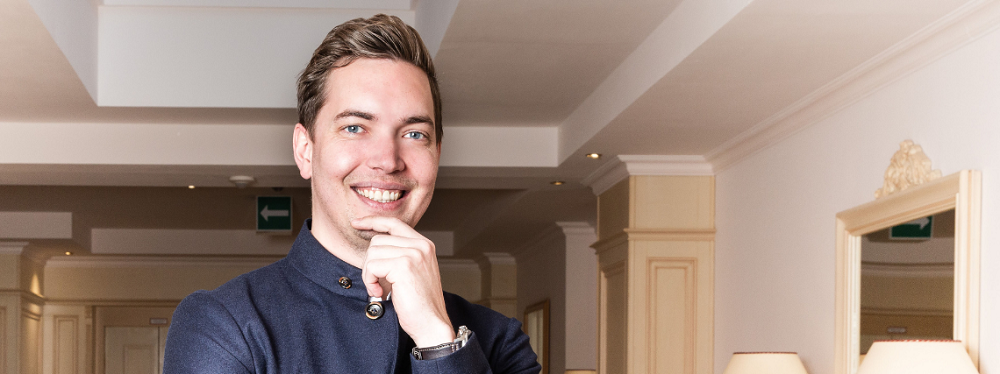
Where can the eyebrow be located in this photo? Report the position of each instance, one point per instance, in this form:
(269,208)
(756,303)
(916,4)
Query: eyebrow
(355,113)
(419,119)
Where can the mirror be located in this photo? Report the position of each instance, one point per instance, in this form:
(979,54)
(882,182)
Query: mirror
(907,281)
(960,193)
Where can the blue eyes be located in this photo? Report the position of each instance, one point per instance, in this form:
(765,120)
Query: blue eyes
(414,135)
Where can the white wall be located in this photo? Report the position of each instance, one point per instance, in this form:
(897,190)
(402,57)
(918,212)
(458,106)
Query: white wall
(775,209)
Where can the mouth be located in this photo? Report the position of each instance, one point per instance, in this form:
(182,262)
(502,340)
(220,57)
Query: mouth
(379,195)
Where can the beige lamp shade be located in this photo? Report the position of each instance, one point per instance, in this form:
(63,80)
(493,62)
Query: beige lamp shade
(765,363)
(917,357)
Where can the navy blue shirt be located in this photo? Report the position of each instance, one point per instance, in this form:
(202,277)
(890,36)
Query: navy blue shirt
(294,317)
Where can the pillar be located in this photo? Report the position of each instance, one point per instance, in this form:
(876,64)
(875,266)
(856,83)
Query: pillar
(499,282)
(655,280)
(20,310)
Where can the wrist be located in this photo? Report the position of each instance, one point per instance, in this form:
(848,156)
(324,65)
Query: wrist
(440,334)
(444,349)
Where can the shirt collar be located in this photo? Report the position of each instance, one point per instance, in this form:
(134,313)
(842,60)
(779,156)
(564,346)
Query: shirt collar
(314,261)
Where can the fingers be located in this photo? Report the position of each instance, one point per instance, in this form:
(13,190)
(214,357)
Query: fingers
(392,259)
(389,225)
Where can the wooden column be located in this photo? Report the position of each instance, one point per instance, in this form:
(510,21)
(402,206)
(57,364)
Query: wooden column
(499,282)
(655,287)
(20,310)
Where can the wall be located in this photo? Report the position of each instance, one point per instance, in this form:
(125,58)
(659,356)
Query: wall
(775,209)
(541,274)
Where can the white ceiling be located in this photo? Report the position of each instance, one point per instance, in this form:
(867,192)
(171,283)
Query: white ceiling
(155,93)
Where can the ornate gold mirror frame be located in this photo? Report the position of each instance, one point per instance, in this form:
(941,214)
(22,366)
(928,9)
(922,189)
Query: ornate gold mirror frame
(899,201)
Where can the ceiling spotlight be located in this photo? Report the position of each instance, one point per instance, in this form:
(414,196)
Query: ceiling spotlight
(191,187)
(594,155)
(68,253)
(242,181)
(557,183)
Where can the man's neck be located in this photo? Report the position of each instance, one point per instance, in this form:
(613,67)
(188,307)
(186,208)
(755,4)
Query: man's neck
(335,243)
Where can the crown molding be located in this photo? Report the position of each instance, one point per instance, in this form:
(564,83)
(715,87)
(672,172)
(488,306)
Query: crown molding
(960,27)
(490,259)
(12,248)
(576,228)
(624,166)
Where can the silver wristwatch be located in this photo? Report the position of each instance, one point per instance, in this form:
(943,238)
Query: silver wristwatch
(443,349)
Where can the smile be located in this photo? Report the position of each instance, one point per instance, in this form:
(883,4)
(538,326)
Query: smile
(379,195)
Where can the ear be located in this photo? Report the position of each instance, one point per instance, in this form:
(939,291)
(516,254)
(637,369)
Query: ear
(302,147)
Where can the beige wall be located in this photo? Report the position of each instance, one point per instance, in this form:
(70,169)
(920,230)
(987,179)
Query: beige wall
(147,281)
(775,209)
(138,282)
(541,275)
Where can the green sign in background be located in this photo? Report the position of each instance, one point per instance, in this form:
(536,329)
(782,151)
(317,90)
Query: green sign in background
(914,230)
(274,213)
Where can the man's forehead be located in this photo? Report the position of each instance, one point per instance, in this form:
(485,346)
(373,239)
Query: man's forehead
(359,88)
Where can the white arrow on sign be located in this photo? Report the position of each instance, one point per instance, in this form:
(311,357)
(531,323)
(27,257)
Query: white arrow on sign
(267,213)
(923,222)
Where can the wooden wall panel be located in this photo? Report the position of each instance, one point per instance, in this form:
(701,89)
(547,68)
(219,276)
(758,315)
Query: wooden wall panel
(614,295)
(31,343)
(66,343)
(613,212)
(673,203)
(671,294)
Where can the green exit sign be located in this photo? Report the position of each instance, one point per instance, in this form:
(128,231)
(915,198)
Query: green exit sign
(920,229)
(274,213)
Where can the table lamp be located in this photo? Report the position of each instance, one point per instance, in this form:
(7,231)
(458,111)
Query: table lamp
(765,363)
(917,357)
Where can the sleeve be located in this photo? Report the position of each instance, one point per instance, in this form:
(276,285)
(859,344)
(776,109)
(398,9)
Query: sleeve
(205,338)
(512,356)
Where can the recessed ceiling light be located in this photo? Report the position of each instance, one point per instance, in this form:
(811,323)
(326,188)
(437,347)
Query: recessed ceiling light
(594,155)
(191,187)
(557,183)
(68,253)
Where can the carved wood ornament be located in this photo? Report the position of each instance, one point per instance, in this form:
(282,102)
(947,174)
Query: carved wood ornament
(907,168)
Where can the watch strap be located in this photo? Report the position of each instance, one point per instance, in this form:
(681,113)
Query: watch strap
(443,349)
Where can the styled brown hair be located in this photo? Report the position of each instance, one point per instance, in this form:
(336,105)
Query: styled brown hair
(380,37)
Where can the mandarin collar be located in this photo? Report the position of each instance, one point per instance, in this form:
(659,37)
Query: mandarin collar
(311,259)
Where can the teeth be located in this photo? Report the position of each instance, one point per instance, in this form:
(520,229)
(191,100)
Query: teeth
(381,196)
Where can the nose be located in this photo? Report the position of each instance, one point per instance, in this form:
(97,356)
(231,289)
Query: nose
(384,154)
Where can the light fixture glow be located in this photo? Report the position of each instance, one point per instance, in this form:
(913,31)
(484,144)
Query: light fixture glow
(191,187)
(557,183)
(594,155)
(68,253)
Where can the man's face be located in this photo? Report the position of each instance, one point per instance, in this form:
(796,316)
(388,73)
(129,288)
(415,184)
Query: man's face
(373,151)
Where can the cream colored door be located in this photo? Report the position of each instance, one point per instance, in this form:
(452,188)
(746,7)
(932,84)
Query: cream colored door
(134,350)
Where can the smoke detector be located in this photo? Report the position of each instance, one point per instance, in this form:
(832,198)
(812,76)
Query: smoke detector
(242,181)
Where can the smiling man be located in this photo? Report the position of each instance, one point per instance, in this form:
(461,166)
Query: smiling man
(360,290)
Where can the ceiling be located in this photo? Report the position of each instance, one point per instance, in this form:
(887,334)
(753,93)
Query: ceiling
(110,109)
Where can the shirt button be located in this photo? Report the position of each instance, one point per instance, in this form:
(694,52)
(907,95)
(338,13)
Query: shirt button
(374,310)
(344,282)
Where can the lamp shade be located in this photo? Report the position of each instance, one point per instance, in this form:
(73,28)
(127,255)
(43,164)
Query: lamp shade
(917,357)
(765,363)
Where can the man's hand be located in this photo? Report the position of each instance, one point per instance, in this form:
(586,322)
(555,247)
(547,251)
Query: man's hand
(405,263)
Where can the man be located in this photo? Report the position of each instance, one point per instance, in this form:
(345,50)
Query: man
(360,291)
